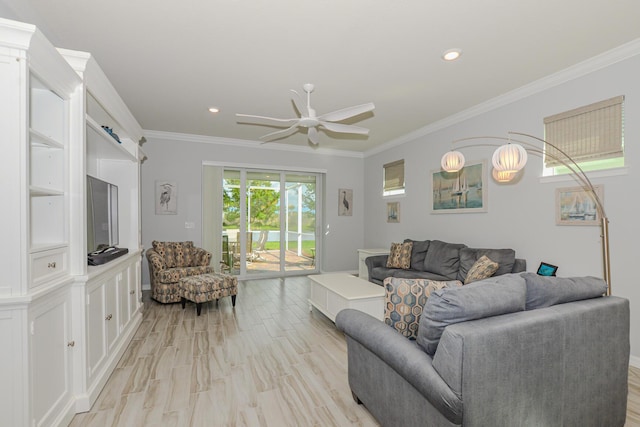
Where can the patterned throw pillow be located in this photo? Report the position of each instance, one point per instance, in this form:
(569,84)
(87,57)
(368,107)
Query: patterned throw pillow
(400,255)
(405,299)
(481,269)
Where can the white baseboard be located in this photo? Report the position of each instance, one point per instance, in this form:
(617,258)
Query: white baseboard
(634,361)
(146,286)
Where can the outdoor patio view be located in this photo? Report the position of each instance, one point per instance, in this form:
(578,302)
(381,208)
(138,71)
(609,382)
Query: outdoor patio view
(271,239)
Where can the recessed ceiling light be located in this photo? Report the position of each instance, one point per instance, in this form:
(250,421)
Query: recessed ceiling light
(451,54)
(214,110)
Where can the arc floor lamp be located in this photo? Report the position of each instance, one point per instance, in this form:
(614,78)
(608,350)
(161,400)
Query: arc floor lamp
(509,158)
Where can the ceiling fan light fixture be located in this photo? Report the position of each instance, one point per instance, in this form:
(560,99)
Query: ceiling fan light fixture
(451,54)
(307,119)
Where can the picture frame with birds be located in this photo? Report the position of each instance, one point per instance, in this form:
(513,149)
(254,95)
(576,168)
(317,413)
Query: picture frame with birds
(345,202)
(166,198)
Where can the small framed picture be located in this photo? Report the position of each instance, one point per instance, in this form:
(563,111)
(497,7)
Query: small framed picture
(345,202)
(547,269)
(166,198)
(577,206)
(393,212)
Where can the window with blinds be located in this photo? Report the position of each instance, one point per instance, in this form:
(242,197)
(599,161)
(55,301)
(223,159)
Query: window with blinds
(591,135)
(393,179)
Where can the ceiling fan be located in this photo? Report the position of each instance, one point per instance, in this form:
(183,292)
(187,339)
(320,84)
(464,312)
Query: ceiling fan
(308,119)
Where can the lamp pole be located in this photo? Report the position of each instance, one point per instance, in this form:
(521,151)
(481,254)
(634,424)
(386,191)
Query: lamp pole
(582,178)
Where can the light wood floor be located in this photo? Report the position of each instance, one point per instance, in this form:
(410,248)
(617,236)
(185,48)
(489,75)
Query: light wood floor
(268,362)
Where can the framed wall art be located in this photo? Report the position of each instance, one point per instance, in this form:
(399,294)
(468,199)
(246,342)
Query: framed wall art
(460,192)
(575,206)
(393,212)
(345,202)
(166,198)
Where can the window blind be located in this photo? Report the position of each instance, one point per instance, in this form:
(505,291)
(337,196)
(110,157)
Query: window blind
(394,176)
(592,132)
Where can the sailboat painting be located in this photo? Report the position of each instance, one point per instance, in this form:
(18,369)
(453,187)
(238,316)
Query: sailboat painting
(460,192)
(576,206)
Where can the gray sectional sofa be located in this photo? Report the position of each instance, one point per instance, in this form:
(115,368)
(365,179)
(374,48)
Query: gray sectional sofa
(437,260)
(512,350)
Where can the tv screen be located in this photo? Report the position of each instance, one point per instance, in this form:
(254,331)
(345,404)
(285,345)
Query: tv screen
(102,214)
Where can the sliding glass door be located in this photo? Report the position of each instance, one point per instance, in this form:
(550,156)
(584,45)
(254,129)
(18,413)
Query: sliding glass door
(269,222)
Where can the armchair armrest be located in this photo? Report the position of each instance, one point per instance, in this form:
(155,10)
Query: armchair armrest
(201,257)
(155,260)
(404,356)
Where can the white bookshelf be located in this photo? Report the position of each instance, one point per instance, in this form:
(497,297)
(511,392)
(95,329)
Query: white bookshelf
(54,309)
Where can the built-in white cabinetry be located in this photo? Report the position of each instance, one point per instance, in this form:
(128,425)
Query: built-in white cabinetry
(51,350)
(112,298)
(63,325)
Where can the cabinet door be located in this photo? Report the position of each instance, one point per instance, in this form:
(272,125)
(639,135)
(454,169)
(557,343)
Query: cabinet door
(123,299)
(111,312)
(96,330)
(51,357)
(134,289)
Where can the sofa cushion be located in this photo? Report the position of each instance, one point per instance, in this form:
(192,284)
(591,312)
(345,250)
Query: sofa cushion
(400,255)
(481,269)
(545,291)
(443,258)
(417,274)
(418,252)
(405,299)
(489,297)
(505,258)
(175,254)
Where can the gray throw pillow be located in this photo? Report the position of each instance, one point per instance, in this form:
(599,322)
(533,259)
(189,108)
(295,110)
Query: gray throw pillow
(485,298)
(505,258)
(418,253)
(545,291)
(443,258)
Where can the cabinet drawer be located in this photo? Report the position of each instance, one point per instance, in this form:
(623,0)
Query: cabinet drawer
(46,265)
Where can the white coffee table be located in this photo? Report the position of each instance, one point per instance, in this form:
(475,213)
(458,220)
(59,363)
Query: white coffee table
(333,292)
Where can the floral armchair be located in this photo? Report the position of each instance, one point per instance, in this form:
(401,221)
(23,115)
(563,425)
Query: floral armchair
(171,261)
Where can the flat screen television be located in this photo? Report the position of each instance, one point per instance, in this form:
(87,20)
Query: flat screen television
(102,214)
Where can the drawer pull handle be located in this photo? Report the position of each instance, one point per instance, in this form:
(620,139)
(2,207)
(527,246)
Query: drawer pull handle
(109,317)
(71,344)
(132,292)
(51,265)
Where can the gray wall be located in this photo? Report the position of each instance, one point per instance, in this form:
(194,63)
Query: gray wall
(178,158)
(522,215)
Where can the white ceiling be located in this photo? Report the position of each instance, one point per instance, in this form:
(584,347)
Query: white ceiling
(172,60)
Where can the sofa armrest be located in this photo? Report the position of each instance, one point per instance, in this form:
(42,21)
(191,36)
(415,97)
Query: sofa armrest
(403,356)
(375,261)
(519,265)
(201,257)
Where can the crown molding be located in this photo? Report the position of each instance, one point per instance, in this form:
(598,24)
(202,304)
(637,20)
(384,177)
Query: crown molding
(203,139)
(613,56)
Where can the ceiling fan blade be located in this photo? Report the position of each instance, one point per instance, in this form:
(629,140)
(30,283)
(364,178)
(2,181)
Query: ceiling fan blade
(299,104)
(313,136)
(280,133)
(339,127)
(266,120)
(345,113)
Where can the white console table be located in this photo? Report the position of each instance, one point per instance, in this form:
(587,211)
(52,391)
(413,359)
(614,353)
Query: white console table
(363,254)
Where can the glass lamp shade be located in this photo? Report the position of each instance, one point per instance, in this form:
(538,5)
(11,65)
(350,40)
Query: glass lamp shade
(509,158)
(452,161)
(503,176)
